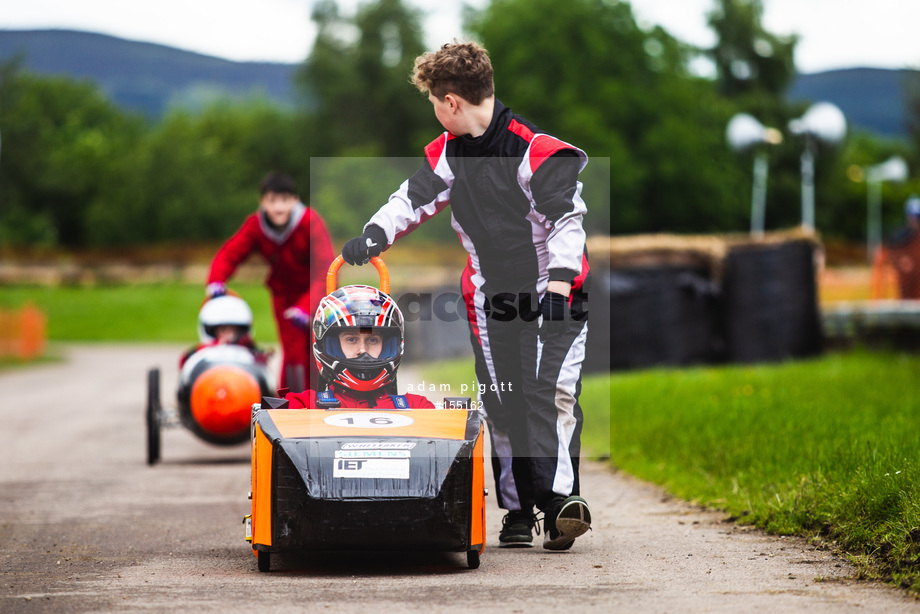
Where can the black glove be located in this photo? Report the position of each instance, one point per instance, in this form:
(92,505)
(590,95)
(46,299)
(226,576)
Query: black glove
(361,249)
(553,308)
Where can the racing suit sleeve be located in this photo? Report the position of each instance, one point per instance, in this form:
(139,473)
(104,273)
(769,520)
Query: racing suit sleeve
(417,401)
(301,400)
(419,198)
(234,251)
(557,196)
(321,256)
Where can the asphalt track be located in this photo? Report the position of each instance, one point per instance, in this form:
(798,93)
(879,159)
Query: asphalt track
(89,527)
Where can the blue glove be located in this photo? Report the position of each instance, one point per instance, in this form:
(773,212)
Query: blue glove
(361,249)
(552,308)
(215,289)
(298,317)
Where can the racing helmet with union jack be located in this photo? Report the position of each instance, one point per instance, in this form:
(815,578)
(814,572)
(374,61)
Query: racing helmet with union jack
(358,309)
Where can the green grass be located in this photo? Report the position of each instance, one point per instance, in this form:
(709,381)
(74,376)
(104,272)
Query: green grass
(141,313)
(826,448)
(595,391)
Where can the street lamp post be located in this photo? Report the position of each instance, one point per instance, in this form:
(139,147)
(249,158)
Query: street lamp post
(745,132)
(893,169)
(822,122)
(807,166)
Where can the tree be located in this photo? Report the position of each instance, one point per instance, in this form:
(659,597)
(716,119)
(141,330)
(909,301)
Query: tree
(196,176)
(754,68)
(911,88)
(748,59)
(356,78)
(60,138)
(594,78)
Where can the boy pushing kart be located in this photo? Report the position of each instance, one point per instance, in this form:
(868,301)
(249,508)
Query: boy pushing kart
(516,205)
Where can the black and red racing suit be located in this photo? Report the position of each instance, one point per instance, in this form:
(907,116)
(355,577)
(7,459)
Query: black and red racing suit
(516,205)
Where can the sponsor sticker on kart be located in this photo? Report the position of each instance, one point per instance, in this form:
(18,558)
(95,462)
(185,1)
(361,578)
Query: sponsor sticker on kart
(391,464)
(378,445)
(371,467)
(372,454)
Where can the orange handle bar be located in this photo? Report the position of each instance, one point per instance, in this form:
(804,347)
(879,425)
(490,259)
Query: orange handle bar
(332,276)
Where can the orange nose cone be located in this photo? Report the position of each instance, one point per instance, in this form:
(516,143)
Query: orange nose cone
(222,399)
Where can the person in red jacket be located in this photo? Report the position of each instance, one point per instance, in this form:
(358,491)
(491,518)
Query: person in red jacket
(293,240)
(358,342)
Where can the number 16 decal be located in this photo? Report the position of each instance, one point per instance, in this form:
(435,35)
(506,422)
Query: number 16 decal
(368,420)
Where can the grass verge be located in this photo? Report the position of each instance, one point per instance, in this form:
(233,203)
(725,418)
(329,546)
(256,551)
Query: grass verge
(825,448)
(161,312)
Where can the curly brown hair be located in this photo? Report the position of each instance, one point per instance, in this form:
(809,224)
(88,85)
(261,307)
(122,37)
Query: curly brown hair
(463,69)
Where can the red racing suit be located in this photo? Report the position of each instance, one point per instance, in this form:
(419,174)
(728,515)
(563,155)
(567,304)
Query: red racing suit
(298,257)
(377,399)
(515,203)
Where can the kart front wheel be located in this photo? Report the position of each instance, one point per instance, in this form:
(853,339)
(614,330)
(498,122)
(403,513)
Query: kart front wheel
(265,560)
(153,416)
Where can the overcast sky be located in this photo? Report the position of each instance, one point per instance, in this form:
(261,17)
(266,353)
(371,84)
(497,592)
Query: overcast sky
(833,33)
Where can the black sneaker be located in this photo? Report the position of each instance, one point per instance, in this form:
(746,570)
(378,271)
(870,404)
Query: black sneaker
(563,521)
(517,529)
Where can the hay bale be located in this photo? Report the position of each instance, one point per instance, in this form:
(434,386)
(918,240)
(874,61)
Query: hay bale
(648,251)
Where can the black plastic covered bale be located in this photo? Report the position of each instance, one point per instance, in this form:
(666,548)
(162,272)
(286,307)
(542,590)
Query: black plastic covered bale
(770,302)
(661,316)
(436,324)
(597,344)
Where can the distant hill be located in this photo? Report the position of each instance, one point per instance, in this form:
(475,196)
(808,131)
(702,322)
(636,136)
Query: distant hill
(872,99)
(145,77)
(149,78)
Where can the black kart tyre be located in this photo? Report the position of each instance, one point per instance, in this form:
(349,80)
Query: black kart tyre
(153,416)
(265,560)
(472,559)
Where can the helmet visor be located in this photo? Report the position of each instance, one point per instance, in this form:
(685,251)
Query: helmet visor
(370,343)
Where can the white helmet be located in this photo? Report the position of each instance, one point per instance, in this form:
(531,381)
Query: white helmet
(223,310)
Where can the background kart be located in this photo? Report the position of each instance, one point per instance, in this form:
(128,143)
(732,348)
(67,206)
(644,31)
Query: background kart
(218,385)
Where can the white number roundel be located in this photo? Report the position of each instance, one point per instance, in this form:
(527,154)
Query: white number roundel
(368,420)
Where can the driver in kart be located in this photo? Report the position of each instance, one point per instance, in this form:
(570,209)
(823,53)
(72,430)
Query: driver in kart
(224,320)
(358,342)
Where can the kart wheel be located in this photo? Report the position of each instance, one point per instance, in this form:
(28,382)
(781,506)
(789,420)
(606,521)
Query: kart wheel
(153,416)
(265,560)
(472,559)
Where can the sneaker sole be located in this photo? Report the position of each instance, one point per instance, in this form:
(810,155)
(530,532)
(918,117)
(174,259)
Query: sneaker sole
(573,521)
(520,544)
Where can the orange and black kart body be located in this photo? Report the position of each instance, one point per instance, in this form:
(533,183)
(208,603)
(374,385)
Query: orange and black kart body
(217,375)
(345,479)
(218,385)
